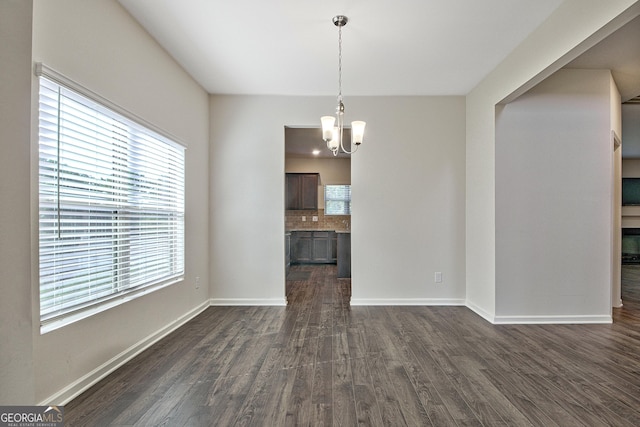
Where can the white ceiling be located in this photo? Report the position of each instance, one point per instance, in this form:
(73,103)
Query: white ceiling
(290,47)
(620,53)
(400,47)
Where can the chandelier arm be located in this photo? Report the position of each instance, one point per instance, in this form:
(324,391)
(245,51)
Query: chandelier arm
(347,151)
(341,127)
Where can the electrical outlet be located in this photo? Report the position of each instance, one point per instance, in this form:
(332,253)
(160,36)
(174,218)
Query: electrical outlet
(198,282)
(314,218)
(304,219)
(438,277)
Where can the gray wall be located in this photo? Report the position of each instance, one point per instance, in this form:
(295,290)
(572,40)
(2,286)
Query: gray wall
(408,197)
(16,348)
(554,201)
(573,28)
(99,45)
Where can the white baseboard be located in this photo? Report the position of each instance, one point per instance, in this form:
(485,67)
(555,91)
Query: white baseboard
(407,301)
(74,389)
(248,301)
(480,312)
(536,320)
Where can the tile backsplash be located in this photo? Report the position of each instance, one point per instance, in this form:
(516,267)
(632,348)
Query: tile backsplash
(293,221)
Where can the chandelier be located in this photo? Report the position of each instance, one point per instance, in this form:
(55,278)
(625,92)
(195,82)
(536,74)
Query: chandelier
(333,127)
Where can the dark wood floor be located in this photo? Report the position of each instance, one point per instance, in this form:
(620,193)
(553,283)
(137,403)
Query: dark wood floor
(319,362)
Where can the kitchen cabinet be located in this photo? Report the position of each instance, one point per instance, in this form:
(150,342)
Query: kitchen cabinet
(313,247)
(287,251)
(344,255)
(334,247)
(302,191)
(301,247)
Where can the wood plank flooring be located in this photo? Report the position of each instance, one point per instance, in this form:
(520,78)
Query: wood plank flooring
(320,362)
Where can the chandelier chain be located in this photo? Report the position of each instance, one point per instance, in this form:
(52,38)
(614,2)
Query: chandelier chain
(340,63)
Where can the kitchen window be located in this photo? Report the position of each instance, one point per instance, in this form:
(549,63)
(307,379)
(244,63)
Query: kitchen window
(111,204)
(337,200)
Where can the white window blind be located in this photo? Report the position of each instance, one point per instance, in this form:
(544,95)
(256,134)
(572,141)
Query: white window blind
(337,200)
(111,205)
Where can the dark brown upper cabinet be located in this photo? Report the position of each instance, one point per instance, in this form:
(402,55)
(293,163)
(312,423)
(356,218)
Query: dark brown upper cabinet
(302,191)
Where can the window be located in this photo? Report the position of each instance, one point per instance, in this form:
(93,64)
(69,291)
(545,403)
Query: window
(111,205)
(337,200)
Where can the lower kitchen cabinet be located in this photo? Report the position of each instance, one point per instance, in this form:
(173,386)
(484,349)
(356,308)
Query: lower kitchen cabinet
(344,255)
(287,251)
(301,247)
(313,247)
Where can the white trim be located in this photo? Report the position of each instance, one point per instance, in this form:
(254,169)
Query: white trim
(481,312)
(616,219)
(539,320)
(68,393)
(407,301)
(556,320)
(248,302)
(98,306)
(41,69)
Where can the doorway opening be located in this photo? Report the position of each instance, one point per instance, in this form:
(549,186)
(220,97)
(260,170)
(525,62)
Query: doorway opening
(317,215)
